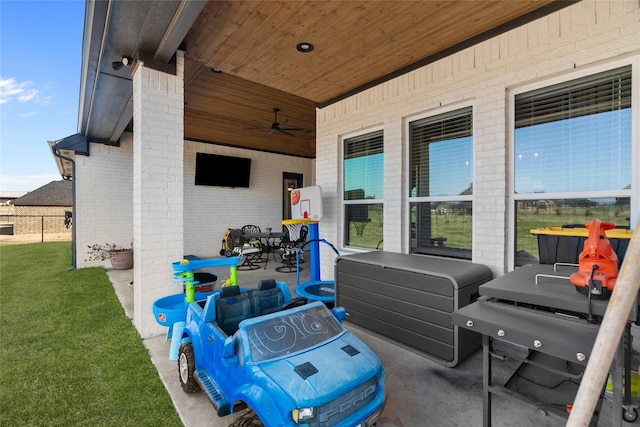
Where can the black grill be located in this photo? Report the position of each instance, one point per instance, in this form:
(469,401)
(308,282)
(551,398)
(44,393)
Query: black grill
(344,406)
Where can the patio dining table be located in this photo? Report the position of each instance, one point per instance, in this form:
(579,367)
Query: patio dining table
(268,240)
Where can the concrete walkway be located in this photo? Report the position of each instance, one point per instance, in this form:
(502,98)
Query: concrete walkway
(420,392)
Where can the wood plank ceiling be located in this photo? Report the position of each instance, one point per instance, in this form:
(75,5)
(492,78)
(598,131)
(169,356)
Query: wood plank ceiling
(252,47)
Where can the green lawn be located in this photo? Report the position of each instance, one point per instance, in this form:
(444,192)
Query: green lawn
(69,355)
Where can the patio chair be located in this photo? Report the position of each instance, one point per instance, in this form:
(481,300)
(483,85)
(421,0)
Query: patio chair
(250,256)
(254,241)
(288,251)
(251,229)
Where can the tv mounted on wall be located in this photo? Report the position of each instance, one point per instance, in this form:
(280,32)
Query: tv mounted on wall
(222,171)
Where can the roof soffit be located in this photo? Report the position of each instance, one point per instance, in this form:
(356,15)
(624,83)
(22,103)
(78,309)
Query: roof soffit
(358,44)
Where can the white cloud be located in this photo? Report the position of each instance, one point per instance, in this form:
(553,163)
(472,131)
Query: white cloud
(27,95)
(28,114)
(11,90)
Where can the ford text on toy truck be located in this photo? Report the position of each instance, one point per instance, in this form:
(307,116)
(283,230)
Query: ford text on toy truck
(290,361)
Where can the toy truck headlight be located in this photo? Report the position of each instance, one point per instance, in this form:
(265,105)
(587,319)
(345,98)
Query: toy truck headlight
(303,415)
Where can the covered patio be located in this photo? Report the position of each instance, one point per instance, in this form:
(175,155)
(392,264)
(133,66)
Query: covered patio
(296,90)
(420,391)
(163,82)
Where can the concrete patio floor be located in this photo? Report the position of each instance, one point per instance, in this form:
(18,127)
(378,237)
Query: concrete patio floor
(420,392)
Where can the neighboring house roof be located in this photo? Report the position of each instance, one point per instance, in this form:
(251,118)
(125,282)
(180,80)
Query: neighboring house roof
(55,193)
(468,191)
(10,195)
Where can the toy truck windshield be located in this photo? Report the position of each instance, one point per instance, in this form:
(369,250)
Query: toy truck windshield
(291,333)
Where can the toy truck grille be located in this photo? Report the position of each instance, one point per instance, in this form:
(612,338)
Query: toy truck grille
(331,413)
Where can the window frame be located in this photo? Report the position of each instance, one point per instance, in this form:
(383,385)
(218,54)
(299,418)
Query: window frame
(343,202)
(448,109)
(632,194)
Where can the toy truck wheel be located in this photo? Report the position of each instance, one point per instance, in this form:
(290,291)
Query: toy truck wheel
(186,368)
(248,419)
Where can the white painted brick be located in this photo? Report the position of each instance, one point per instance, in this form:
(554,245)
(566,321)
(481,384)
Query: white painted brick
(582,34)
(106,209)
(588,10)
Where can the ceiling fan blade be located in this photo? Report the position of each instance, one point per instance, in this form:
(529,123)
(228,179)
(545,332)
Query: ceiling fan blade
(276,126)
(304,129)
(283,131)
(284,122)
(257,125)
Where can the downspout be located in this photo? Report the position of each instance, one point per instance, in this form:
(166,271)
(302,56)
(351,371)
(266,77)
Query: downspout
(73,202)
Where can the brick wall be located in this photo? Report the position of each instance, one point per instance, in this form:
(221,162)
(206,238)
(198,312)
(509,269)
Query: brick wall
(584,36)
(158,129)
(104,196)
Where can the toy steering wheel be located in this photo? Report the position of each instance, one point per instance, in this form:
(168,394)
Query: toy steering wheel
(295,302)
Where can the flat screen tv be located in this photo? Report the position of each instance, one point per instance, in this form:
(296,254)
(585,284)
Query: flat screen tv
(222,171)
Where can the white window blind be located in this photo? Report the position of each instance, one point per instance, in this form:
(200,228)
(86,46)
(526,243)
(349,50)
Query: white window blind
(363,186)
(598,93)
(575,136)
(441,154)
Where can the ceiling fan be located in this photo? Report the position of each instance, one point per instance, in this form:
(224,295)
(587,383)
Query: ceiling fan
(279,127)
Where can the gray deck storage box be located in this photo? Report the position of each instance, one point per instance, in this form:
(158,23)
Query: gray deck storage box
(410,298)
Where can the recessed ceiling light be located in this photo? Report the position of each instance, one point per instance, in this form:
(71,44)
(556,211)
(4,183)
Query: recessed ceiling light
(304,47)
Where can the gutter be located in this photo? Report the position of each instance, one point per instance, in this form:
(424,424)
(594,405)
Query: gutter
(57,153)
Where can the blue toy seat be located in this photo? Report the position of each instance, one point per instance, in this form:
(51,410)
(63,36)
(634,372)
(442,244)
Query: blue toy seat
(232,310)
(268,298)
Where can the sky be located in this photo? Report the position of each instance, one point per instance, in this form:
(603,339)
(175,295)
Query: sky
(40,60)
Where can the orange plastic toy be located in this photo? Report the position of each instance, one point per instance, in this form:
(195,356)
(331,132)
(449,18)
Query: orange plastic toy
(597,264)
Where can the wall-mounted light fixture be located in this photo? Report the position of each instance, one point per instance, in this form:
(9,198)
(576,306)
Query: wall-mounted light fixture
(125,61)
(304,47)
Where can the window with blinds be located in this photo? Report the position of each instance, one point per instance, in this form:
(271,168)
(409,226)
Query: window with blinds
(440,154)
(572,155)
(441,183)
(363,187)
(574,136)
(599,93)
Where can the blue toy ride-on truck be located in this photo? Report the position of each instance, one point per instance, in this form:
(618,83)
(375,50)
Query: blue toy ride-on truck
(291,362)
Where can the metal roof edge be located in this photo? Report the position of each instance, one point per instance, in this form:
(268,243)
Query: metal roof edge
(94,36)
